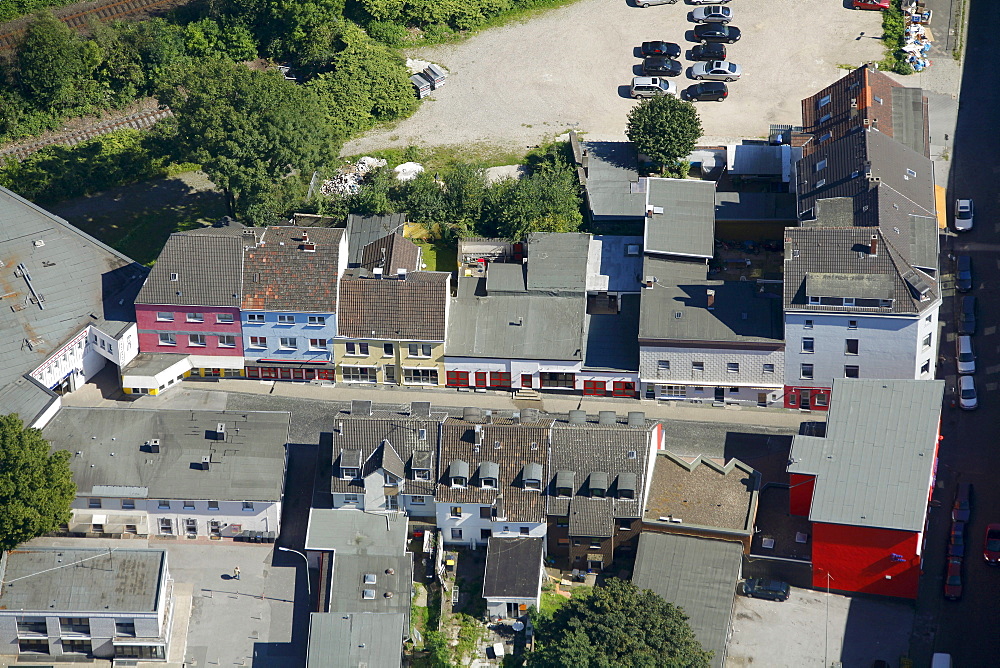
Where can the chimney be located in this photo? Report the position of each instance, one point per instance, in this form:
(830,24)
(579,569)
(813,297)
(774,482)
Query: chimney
(154,446)
(873,249)
(636,419)
(220,431)
(711,299)
(362,408)
(377,272)
(305,235)
(206,462)
(308,247)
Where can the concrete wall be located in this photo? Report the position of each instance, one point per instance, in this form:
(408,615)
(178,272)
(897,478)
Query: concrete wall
(273,331)
(751,380)
(472,525)
(150,328)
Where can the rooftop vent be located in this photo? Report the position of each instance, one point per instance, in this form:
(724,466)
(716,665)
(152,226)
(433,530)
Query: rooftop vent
(471,414)
(632,250)
(38,243)
(369,578)
(577,417)
(220,431)
(308,247)
(648,281)
(206,462)
(607,417)
(368,594)
(154,446)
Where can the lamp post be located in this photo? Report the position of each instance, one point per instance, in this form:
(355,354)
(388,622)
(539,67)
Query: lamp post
(308,583)
(826,650)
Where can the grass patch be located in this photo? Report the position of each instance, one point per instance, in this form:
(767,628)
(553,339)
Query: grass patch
(418,613)
(439,255)
(470,635)
(435,158)
(551,602)
(443,34)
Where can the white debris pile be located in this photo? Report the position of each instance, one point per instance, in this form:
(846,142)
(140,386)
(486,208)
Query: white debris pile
(408,171)
(416,66)
(348,180)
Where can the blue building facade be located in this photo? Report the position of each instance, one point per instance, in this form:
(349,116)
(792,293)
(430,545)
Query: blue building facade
(289,336)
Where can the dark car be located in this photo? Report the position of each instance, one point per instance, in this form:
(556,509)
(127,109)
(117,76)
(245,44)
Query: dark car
(956,541)
(660,48)
(991,544)
(773,590)
(707,90)
(710,51)
(963,273)
(967,318)
(716,32)
(961,510)
(953,580)
(661,66)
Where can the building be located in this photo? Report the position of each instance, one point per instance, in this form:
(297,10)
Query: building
(598,486)
(386,460)
(609,174)
(391,328)
(289,305)
(492,474)
(865,486)
(67,308)
(513,580)
(364,230)
(171,473)
(73,604)
(338,640)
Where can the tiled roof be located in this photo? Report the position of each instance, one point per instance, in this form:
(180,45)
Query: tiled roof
(513,567)
(280,274)
(362,230)
(511,446)
(391,253)
(196,270)
(410,309)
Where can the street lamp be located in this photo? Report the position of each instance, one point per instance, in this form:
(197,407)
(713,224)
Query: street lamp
(308,583)
(826,650)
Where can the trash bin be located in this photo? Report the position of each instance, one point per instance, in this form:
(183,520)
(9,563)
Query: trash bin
(421,85)
(270,536)
(258,536)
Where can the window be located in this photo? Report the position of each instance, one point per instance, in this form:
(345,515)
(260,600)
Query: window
(213,505)
(768,368)
(224,318)
(248,506)
(489,483)
(925,367)
(189,505)
(27,625)
(227,341)
(350,498)
(852,324)
(552,379)
(317,320)
(286,319)
(358,374)
(166,526)
(387,350)
(420,376)
(524,531)
(820,183)
(808,345)
(912,174)
(418,500)
(808,324)
(878,99)
(132,529)
(624,524)
(821,399)
(697,366)
(76,646)
(927,341)
(195,317)
(825,117)
(823,101)
(734,390)
(128,504)
(674,391)
(733,367)
(456,534)
(806,371)
(851,371)
(123,628)
(595,543)
(851,346)
(357,349)
(32,645)
(168,339)
(533,484)
(562,522)
(94,503)
(163,504)
(258,342)
(458,378)
(287,343)
(824,137)
(196,340)
(485,513)
(422,434)
(821,165)
(255,317)
(317,344)
(164,316)
(456,511)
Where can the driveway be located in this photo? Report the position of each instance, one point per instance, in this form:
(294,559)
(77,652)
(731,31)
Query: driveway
(570,68)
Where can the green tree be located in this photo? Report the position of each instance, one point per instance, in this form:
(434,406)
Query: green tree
(546,201)
(617,625)
(36,485)
(54,65)
(665,128)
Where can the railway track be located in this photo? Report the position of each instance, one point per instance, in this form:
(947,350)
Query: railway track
(139,120)
(106,12)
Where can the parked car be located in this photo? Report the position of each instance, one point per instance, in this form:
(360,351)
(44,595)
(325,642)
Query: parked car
(717,70)
(991,544)
(956,540)
(964,210)
(877,5)
(710,51)
(647,3)
(963,273)
(961,510)
(953,580)
(661,66)
(965,355)
(708,2)
(773,590)
(716,32)
(712,14)
(707,90)
(661,48)
(967,318)
(652,87)
(967,399)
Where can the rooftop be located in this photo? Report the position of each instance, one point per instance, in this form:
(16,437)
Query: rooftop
(611,179)
(557,262)
(26,397)
(390,254)
(112,447)
(83,579)
(513,567)
(396,309)
(197,270)
(355,532)
(372,583)
(152,363)
(612,338)
(698,575)
(614,263)
(294,269)
(680,217)
(349,640)
(363,230)
(744,206)
(875,464)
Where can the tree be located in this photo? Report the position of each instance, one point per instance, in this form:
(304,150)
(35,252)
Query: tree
(54,65)
(617,625)
(36,485)
(665,128)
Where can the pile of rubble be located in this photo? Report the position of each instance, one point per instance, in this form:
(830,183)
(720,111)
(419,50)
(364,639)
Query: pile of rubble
(348,181)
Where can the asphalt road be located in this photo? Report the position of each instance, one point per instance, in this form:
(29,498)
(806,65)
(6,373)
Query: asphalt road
(970,628)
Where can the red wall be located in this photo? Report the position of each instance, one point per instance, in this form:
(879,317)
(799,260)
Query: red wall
(150,328)
(859,559)
(793,397)
(801,493)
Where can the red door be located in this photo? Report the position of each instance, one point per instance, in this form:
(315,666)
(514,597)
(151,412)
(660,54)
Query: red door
(481,379)
(525,380)
(596,388)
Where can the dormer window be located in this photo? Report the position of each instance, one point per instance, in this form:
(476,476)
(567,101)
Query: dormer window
(533,476)
(598,485)
(564,483)
(458,471)
(350,464)
(626,485)
(350,473)
(489,475)
(390,479)
(421,474)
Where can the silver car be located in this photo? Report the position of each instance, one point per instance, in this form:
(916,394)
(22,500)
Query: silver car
(712,14)
(652,87)
(647,3)
(716,70)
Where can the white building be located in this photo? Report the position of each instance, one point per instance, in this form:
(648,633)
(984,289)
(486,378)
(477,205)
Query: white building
(173,473)
(513,579)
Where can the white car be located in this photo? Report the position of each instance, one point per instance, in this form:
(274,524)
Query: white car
(965,355)
(967,393)
(963,215)
(708,2)
(647,3)
(712,14)
(652,87)
(716,70)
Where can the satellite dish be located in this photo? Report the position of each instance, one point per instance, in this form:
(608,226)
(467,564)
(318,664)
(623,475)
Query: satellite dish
(518,626)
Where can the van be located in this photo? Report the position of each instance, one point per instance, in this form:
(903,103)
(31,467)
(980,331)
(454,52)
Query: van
(940,660)
(965,356)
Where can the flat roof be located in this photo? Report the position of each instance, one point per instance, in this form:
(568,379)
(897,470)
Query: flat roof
(614,263)
(613,339)
(612,180)
(349,640)
(26,397)
(513,567)
(733,206)
(557,261)
(82,579)
(355,532)
(372,582)
(152,363)
(680,217)
(109,446)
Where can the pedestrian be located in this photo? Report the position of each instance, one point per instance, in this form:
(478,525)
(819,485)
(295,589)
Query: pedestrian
(236,573)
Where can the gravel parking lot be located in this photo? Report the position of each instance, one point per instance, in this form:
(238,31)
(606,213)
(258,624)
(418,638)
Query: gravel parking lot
(570,68)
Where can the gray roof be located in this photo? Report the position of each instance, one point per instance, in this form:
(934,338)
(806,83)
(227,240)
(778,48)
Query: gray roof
(506,278)
(248,465)
(390,254)
(909,114)
(739,206)
(152,363)
(26,397)
(611,180)
(363,230)
(686,225)
(755,159)
(614,263)
(513,567)
(676,308)
(698,575)
(393,575)
(875,463)
(57,580)
(557,262)
(613,339)
(80,280)
(350,640)
(859,286)
(208,270)
(355,532)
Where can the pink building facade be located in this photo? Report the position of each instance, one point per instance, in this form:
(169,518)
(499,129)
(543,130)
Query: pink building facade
(209,331)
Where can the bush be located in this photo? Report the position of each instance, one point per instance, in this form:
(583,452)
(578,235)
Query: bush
(387,32)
